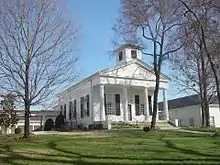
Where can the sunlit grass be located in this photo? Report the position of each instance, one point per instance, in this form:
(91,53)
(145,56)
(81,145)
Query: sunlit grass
(116,147)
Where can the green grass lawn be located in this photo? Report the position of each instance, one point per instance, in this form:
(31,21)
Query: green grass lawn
(123,147)
(202,129)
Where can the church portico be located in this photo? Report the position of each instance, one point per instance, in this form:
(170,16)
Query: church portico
(124,103)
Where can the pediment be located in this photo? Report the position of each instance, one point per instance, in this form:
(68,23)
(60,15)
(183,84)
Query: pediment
(133,70)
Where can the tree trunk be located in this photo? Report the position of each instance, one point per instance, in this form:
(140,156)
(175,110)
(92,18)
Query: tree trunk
(203,113)
(156,91)
(214,69)
(27,96)
(207,115)
(204,89)
(27,121)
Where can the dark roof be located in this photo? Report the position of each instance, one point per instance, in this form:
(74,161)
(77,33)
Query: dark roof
(128,46)
(184,102)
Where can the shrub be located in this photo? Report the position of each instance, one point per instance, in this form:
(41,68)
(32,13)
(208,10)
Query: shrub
(99,126)
(17,130)
(146,129)
(59,121)
(48,125)
(64,128)
(92,126)
(80,126)
(85,129)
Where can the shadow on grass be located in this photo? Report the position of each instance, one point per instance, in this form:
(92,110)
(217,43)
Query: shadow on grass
(75,158)
(171,145)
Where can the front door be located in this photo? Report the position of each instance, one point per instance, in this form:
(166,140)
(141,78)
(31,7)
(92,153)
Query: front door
(129,112)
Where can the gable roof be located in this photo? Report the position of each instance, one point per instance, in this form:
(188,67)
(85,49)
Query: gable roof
(136,61)
(184,102)
(103,71)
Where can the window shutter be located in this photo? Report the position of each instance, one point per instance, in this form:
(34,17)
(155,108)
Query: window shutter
(64,112)
(88,107)
(105,103)
(70,110)
(137,105)
(74,110)
(150,105)
(117,104)
(82,106)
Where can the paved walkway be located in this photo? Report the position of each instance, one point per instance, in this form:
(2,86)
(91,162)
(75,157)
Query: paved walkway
(188,131)
(196,132)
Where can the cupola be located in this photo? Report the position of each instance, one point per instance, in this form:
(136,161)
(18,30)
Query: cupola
(127,53)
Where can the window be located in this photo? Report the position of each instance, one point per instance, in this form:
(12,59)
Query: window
(191,121)
(180,122)
(64,113)
(142,109)
(212,121)
(110,109)
(61,108)
(82,106)
(74,109)
(70,109)
(137,105)
(150,105)
(87,103)
(117,104)
(120,56)
(133,54)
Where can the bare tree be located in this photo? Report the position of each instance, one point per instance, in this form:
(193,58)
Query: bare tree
(206,13)
(152,23)
(36,37)
(195,75)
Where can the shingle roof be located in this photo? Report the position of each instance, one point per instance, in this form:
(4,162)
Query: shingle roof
(184,102)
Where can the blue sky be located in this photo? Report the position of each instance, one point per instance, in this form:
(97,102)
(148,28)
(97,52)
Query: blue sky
(96,18)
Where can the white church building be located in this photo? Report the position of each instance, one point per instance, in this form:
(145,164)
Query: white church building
(122,93)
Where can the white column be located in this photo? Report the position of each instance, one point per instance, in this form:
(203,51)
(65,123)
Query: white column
(146,106)
(125,103)
(102,103)
(44,120)
(165,105)
(33,126)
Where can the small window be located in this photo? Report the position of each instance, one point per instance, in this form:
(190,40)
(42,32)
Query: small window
(191,122)
(212,121)
(120,56)
(133,54)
